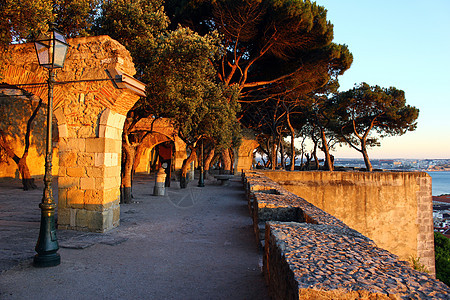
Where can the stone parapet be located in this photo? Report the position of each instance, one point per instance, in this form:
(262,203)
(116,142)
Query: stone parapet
(394,209)
(269,201)
(310,254)
(310,261)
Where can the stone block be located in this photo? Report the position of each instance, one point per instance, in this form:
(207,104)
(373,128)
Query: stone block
(95,145)
(87,183)
(77,144)
(75,198)
(113,146)
(85,159)
(61,171)
(67,182)
(59,115)
(62,198)
(73,217)
(112,171)
(94,200)
(76,172)
(105,116)
(111,196)
(108,217)
(96,172)
(63,131)
(99,183)
(111,182)
(63,216)
(67,158)
(116,215)
(99,159)
(113,133)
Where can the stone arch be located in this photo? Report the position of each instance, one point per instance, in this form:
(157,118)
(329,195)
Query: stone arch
(244,157)
(90,109)
(164,127)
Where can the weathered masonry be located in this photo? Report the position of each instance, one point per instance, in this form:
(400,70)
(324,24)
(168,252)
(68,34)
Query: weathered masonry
(394,209)
(90,114)
(310,254)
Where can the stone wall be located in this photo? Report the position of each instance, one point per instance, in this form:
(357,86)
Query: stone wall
(392,208)
(244,155)
(313,255)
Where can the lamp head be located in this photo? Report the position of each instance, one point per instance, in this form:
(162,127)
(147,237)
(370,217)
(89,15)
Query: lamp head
(51,49)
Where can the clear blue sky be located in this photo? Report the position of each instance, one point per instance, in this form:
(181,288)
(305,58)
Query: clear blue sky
(406,44)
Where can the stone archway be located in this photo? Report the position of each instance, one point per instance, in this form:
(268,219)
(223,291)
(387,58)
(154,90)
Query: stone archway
(90,116)
(244,157)
(163,131)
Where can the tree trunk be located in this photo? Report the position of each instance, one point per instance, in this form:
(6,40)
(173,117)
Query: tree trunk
(128,155)
(24,171)
(184,167)
(27,181)
(326,151)
(226,161)
(273,153)
(314,154)
(366,158)
(208,161)
(137,159)
(292,153)
(283,161)
(292,132)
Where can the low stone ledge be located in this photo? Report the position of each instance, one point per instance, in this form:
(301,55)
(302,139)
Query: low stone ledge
(309,261)
(268,201)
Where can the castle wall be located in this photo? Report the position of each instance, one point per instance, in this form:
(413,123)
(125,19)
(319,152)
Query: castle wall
(394,209)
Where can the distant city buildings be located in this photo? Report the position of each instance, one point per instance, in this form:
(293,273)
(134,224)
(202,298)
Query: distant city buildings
(398,164)
(441,214)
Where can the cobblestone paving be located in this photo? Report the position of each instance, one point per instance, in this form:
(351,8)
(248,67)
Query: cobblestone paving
(330,258)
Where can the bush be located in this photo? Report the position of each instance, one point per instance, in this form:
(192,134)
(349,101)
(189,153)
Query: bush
(442,254)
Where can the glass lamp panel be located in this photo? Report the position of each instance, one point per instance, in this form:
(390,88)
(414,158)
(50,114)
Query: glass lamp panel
(60,52)
(43,53)
(59,37)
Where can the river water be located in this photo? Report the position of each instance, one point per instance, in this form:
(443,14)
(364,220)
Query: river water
(441,182)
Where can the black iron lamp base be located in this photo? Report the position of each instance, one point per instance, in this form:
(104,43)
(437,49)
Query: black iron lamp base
(46,260)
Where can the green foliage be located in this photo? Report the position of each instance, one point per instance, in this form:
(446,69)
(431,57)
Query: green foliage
(23,19)
(135,24)
(442,254)
(182,86)
(75,17)
(417,265)
(269,44)
(367,113)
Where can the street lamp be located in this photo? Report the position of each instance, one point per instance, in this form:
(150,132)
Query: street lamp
(51,50)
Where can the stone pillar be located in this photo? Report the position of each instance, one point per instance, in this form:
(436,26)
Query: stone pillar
(425,236)
(89,177)
(245,155)
(180,153)
(160,189)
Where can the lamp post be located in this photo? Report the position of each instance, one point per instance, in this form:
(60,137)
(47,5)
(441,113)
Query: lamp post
(51,49)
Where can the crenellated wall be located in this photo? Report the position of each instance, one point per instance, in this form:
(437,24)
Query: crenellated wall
(394,209)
